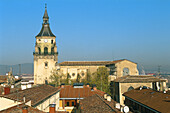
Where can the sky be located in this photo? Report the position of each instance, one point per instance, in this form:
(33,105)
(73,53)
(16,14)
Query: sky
(88,30)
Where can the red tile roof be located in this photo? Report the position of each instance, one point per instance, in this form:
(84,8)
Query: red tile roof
(97,104)
(70,92)
(84,63)
(18,109)
(35,94)
(138,78)
(153,99)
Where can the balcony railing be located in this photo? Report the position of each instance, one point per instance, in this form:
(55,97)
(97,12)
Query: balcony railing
(53,53)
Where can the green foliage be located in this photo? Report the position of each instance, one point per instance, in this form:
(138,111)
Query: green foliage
(56,77)
(78,78)
(67,81)
(100,78)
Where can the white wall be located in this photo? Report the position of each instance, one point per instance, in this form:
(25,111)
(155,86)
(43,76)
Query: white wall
(7,103)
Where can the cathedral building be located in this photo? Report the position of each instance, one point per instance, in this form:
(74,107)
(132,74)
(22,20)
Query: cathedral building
(46,60)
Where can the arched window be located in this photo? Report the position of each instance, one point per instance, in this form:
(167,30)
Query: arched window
(46,64)
(125,71)
(82,73)
(52,50)
(39,50)
(130,88)
(51,41)
(45,50)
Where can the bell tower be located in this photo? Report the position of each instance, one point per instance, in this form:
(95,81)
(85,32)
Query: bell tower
(45,55)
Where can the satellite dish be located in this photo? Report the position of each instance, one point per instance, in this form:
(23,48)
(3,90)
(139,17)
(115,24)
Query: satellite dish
(126,109)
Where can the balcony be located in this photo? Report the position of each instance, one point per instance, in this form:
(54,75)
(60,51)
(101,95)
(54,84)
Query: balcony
(37,53)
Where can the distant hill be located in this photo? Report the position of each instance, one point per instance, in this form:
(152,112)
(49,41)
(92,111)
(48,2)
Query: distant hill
(165,69)
(26,68)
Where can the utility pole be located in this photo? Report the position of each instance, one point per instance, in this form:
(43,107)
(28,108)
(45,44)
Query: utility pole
(159,69)
(101,83)
(19,69)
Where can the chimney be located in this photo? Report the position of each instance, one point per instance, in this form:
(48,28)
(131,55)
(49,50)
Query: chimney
(109,98)
(94,87)
(88,85)
(62,85)
(52,108)
(25,109)
(6,90)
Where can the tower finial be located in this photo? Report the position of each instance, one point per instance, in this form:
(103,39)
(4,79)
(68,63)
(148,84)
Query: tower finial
(45,5)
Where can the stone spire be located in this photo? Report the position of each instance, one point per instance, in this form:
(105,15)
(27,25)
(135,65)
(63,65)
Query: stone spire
(45,17)
(45,30)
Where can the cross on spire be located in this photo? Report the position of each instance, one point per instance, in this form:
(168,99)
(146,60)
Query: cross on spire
(45,5)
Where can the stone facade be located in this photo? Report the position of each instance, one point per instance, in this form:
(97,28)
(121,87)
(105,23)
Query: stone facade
(45,55)
(115,68)
(127,83)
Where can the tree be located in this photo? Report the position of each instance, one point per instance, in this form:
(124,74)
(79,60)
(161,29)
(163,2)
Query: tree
(101,79)
(67,81)
(87,78)
(78,78)
(56,77)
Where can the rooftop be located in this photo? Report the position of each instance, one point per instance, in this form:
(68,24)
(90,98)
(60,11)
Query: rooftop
(84,63)
(35,94)
(70,92)
(18,109)
(138,78)
(156,100)
(97,104)
(45,30)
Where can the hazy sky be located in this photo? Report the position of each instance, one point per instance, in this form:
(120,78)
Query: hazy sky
(138,30)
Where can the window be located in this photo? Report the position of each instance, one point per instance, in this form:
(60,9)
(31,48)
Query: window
(45,50)
(130,88)
(39,39)
(52,50)
(82,73)
(39,50)
(51,41)
(73,74)
(125,71)
(72,103)
(56,63)
(46,64)
(67,103)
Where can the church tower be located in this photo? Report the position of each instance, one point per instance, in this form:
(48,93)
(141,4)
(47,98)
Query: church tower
(45,55)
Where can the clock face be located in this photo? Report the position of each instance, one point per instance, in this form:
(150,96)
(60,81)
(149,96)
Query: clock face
(45,40)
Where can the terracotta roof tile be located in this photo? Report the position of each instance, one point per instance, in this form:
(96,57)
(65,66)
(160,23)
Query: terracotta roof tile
(153,99)
(138,78)
(97,104)
(70,92)
(74,63)
(18,109)
(35,94)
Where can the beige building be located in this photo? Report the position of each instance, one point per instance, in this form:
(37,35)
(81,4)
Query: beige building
(39,97)
(129,82)
(117,68)
(45,55)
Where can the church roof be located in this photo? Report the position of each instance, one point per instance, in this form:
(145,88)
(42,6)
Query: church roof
(84,63)
(45,30)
